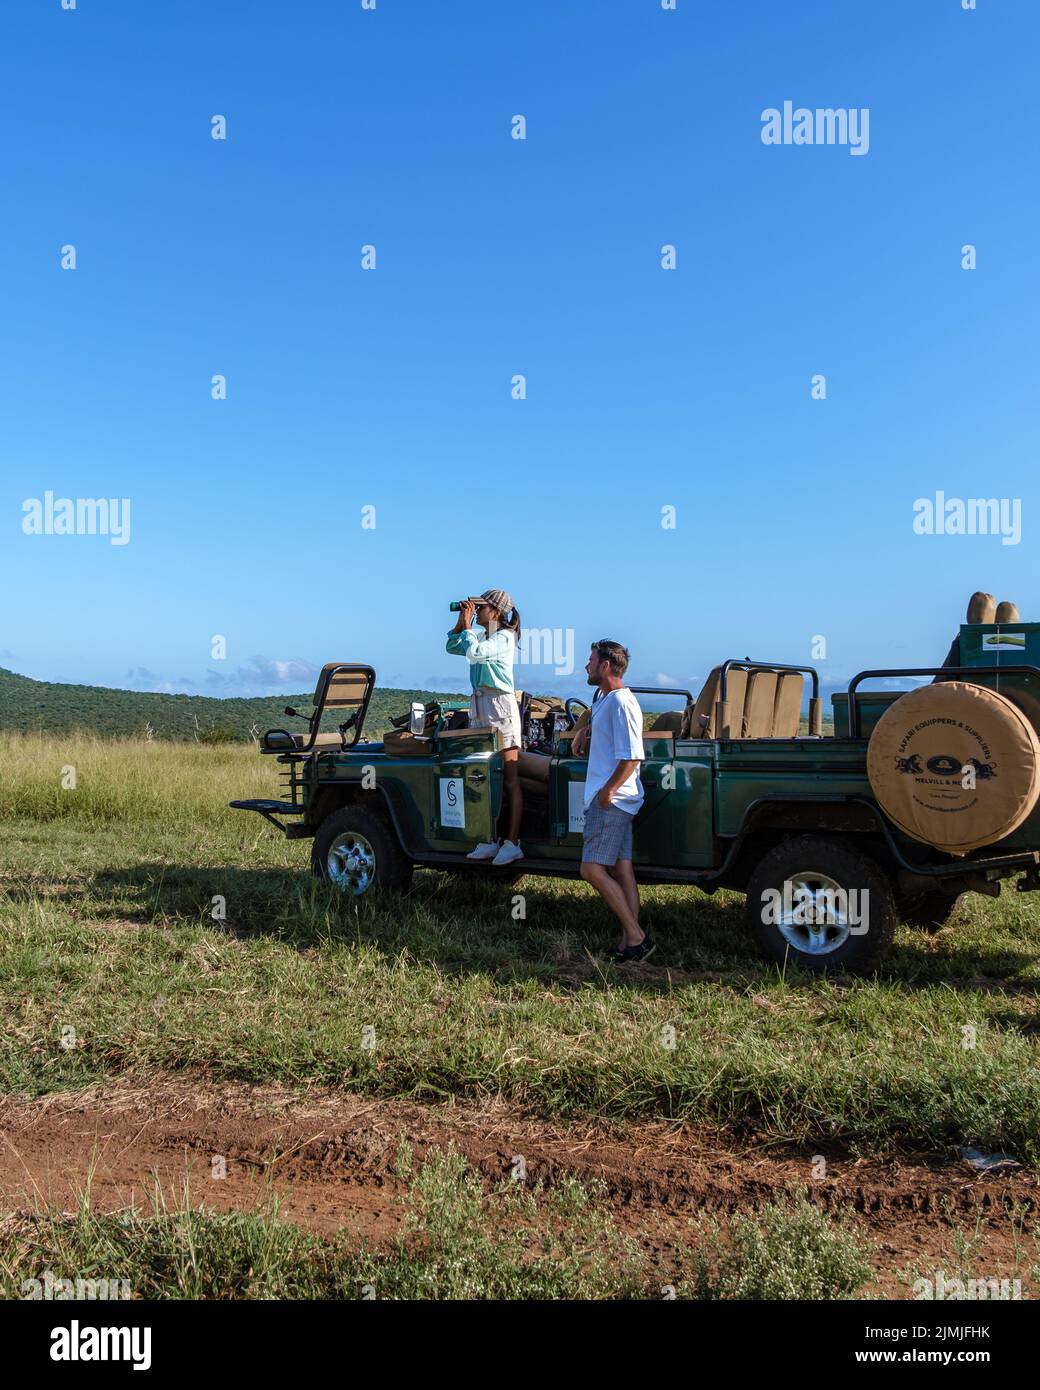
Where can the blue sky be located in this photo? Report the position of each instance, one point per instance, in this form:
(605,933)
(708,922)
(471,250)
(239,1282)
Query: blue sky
(392,388)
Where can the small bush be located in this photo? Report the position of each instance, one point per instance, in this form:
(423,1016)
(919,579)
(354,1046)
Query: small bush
(792,1251)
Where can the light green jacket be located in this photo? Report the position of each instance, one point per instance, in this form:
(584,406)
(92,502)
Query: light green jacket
(490,658)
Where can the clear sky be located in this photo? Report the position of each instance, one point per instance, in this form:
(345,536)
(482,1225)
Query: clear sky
(646,388)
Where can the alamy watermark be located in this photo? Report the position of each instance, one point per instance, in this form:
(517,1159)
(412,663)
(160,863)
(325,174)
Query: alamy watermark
(942,1289)
(972,516)
(77,516)
(540,646)
(830,125)
(817,907)
(52,1286)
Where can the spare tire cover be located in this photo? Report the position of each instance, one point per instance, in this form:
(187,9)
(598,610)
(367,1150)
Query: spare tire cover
(921,750)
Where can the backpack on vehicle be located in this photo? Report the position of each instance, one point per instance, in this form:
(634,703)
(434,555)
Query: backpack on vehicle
(542,718)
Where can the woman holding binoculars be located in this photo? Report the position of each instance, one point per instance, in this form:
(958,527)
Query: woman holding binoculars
(493,699)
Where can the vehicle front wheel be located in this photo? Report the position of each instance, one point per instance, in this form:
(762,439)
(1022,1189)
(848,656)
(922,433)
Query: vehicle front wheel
(356,850)
(819,904)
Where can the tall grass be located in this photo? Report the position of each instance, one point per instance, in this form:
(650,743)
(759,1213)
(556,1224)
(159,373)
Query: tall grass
(91,780)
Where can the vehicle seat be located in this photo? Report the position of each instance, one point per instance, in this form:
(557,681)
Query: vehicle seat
(670,722)
(699,719)
(347,688)
(757,721)
(281,740)
(787,709)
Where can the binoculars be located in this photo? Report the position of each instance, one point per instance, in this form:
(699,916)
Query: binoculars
(456,607)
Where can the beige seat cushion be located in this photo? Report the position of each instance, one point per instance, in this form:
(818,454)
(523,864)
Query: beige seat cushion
(736,689)
(668,722)
(324,743)
(348,688)
(331,739)
(757,721)
(787,707)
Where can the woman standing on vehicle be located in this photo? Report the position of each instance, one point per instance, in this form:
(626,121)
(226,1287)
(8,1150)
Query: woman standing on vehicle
(493,701)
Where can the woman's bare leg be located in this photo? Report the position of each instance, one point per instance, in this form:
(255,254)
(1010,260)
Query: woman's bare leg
(514,791)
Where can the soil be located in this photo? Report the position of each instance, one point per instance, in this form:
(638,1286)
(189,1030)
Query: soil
(329,1158)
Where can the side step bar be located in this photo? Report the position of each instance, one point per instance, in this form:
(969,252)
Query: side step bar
(270,809)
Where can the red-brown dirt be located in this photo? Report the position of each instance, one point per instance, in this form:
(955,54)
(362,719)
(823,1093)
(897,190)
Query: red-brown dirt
(329,1157)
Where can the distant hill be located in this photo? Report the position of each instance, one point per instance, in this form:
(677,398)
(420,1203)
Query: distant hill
(27,705)
(51,707)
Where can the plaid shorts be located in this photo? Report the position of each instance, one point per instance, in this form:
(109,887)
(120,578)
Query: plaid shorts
(608,835)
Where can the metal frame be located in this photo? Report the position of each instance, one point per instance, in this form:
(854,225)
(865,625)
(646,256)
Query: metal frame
(314,725)
(269,809)
(748,665)
(657,690)
(723,731)
(1000,670)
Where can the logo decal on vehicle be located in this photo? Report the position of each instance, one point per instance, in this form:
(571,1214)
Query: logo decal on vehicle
(453,803)
(944,765)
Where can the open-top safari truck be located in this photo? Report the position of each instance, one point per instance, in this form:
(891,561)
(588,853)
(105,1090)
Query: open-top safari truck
(916,797)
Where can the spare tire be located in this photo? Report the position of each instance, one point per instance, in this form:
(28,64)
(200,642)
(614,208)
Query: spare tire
(956,766)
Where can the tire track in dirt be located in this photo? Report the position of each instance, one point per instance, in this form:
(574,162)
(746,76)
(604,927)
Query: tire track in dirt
(329,1159)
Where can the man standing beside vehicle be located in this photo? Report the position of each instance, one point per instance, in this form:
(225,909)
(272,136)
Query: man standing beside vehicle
(613,793)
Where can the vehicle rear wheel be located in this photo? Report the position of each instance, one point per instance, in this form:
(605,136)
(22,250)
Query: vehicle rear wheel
(355,850)
(930,911)
(819,904)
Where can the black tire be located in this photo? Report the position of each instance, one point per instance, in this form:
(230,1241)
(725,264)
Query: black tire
(930,911)
(366,847)
(812,863)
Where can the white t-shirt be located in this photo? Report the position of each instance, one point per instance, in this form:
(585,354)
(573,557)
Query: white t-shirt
(617,735)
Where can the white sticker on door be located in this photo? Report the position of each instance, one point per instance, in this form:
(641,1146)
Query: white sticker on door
(453,805)
(575,808)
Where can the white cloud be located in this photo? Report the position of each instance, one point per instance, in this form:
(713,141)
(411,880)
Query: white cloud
(264,675)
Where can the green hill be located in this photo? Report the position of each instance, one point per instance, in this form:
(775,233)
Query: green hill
(27,705)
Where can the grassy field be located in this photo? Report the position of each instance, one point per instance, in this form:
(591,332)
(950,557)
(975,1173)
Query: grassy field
(106,909)
(107,929)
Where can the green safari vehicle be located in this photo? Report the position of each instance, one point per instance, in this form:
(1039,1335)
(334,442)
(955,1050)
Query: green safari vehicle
(828,834)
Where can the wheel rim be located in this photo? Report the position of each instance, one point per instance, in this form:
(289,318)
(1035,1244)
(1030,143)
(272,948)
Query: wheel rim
(818,925)
(351,863)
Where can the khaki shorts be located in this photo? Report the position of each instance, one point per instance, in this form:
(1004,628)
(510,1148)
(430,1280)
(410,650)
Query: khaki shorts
(499,710)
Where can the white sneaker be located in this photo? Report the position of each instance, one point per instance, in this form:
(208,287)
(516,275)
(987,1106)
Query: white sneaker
(484,851)
(507,854)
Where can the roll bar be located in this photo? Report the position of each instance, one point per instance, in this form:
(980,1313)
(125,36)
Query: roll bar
(1000,670)
(722,706)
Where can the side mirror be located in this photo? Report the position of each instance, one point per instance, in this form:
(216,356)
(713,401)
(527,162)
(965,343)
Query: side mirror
(289,710)
(417,717)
